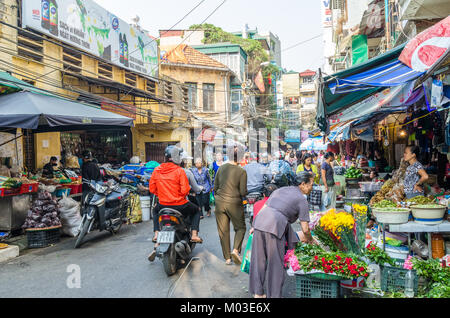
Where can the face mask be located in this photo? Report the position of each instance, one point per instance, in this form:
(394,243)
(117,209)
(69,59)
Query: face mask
(54,164)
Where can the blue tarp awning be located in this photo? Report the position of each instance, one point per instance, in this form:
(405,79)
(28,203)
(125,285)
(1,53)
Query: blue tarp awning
(393,73)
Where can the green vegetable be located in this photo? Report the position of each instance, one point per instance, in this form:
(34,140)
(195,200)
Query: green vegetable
(384,204)
(393,242)
(420,200)
(428,206)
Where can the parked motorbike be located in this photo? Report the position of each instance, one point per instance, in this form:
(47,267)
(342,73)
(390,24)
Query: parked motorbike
(174,240)
(107,199)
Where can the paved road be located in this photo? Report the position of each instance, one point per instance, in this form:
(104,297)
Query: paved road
(117,266)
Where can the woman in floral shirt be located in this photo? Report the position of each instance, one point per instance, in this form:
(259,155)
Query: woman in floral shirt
(415,174)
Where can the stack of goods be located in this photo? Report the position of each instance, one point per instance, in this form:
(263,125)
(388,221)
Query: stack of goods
(44,213)
(353,173)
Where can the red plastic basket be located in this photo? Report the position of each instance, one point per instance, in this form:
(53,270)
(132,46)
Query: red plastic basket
(6,192)
(75,188)
(29,188)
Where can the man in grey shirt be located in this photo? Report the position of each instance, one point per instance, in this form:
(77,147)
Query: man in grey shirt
(255,174)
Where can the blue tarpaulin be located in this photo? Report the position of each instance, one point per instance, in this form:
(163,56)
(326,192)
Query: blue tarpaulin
(391,74)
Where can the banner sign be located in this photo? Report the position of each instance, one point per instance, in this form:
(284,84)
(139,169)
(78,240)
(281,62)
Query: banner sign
(326,13)
(427,47)
(89,27)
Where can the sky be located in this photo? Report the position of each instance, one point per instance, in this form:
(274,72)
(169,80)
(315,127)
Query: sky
(292,21)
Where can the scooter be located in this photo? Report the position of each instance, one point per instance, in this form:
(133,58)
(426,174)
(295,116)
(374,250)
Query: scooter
(174,240)
(251,199)
(105,208)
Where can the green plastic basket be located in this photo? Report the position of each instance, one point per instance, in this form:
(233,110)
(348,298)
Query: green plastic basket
(393,279)
(309,287)
(325,276)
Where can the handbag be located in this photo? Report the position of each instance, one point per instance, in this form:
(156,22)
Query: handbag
(245,266)
(315,197)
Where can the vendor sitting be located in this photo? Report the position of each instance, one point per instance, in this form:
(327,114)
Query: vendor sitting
(415,173)
(48,170)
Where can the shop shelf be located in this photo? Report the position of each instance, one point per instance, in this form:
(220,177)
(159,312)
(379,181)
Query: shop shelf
(38,238)
(309,287)
(393,279)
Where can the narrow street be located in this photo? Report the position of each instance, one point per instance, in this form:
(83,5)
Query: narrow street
(117,267)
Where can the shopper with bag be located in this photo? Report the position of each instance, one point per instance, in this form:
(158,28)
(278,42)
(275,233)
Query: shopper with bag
(272,233)
(327,182)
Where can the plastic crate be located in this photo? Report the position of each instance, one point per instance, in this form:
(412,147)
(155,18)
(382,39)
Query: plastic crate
(38,238)
(393,279)
(309,287)
(75,188)
(29,188)
(61,192)
(6,192)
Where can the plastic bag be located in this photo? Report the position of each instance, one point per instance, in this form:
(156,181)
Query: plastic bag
(245,266)
(212,199)
(70,216)
(134,213)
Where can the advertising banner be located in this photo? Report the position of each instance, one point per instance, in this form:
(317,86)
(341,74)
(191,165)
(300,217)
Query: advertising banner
(326,13)
(89,27)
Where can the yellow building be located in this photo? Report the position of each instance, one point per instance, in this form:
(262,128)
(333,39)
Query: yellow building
(157,105)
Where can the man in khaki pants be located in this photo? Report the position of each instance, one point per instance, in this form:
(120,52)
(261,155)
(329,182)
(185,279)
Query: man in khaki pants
(230,188)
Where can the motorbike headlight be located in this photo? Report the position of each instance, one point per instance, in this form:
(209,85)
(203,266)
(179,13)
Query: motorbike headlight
(100,189)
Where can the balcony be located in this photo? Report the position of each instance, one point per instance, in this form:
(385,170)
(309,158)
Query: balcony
(307,87)
(424,9)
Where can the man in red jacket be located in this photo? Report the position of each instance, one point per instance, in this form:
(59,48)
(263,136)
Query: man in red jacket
(171,185)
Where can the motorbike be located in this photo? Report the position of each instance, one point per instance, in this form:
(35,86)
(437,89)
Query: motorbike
(250,200)
(174,240)
(107,199)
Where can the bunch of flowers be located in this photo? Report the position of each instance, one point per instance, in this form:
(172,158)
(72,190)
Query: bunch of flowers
(360,216)
(314,258)
(377,255)
(337,231)
(291,259)
(336,222)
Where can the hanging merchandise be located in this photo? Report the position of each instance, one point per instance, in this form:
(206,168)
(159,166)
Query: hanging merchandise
(437,93)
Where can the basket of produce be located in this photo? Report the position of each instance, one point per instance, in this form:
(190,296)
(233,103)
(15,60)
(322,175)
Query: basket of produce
(352,175)
(391,215)
(383,204)
(420,200)
(430,214)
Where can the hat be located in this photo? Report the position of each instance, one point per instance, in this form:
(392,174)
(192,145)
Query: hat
(185,156)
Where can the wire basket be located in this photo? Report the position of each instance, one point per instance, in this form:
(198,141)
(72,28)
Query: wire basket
(309,287)
(43,237)
(393,279)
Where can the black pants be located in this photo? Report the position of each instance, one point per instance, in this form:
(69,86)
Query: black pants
(203,201)
(189,211)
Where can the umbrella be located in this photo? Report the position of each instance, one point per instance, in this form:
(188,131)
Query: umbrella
(313,144)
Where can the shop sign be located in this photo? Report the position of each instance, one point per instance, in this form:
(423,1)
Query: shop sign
(89,27)
(86,120)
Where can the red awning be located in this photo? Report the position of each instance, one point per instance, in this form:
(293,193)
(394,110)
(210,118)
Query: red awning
(207,135)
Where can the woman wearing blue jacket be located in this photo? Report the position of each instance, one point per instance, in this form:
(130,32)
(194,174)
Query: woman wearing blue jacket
(203,179)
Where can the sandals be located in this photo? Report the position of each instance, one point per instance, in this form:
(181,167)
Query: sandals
(200,241)
(236,258)
(208,214)
(154,240)
(228,262)
(152,256)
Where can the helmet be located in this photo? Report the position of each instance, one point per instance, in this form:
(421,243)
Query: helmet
(87,154)
(173,153)
(253,156)
(185,156)
(279,155)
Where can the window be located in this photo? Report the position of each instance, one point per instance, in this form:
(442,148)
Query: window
(236,97)
(192,95)
(208,97)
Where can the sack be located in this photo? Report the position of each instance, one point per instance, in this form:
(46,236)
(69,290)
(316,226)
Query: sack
(70,216)
(315,197)
(245,266)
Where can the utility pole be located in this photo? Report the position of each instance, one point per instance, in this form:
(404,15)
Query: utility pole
(387,26)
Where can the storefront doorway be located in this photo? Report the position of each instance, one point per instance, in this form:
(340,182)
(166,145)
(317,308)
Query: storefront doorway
(154,151)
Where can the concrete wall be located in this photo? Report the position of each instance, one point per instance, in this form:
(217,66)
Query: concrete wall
(291,85)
